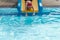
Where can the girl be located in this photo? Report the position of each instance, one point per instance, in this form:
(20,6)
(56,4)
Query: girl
(28,4)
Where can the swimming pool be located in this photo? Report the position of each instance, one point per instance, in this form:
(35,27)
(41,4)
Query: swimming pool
(45,27)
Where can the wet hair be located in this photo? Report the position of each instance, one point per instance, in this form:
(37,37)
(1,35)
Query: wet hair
(30,0)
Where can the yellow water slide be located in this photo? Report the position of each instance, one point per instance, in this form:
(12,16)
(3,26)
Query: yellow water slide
(34,3)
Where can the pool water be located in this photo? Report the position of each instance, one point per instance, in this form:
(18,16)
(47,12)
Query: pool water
(45,27)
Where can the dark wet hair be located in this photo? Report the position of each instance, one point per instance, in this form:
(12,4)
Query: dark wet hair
(30,0)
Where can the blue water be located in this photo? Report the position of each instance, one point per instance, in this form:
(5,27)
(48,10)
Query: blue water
(45,27)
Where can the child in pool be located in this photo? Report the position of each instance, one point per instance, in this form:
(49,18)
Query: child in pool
(28,4)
